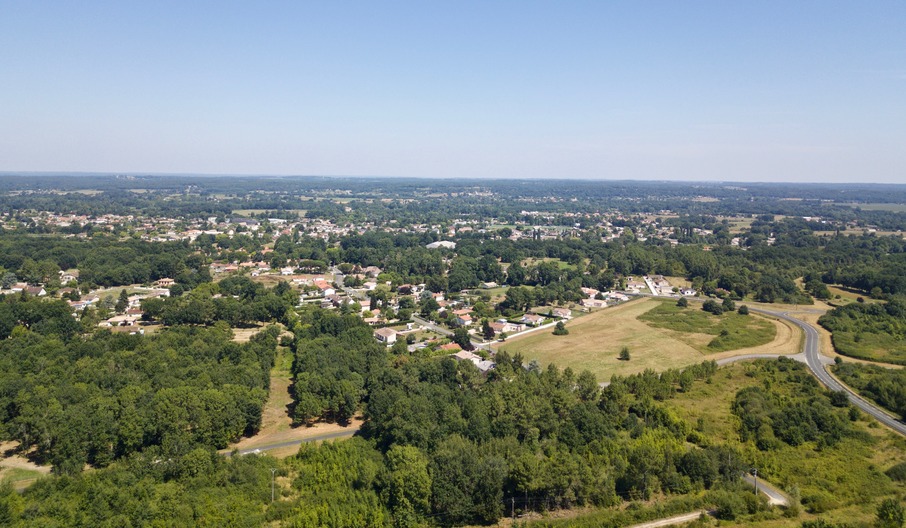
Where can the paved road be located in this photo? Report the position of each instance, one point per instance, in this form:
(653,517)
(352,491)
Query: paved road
(817,364)
(431,326)
(318,438)
(774,496)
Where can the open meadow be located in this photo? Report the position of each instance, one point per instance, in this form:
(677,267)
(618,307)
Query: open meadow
(843,482)
(595,340)
(709,333)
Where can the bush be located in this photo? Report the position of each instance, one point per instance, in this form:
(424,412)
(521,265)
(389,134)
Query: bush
(712,307)
(561,329)
(743,310)
(682,302)
(729,506)
(891,514)
(897,472)
(819,502)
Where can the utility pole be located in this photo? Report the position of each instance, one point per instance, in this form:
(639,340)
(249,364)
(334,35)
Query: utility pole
(273,479)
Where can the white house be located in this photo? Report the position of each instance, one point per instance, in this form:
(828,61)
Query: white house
(386,335)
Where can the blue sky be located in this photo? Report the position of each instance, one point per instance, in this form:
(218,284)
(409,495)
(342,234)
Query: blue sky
(757,91)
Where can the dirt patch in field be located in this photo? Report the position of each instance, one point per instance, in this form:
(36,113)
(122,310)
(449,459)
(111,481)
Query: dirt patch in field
(262,440)
(18,469)
(243,335)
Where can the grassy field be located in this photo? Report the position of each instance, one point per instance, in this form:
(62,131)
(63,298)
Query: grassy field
(679,282)
(560,264)
(895,208)
(871,346)
(848,474)
(739,224)
(20,478)
(595,340)
(731,331)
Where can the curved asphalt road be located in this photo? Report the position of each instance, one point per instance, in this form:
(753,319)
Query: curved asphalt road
(816,363)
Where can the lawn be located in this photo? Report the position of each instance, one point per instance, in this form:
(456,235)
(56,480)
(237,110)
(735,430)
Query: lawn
(730,331)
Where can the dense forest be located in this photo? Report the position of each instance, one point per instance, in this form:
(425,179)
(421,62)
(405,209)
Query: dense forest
(91,400)
(443,446)
(102,260)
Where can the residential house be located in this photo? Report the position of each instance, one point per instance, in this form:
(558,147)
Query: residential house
(324,287)
(463,320)
(483,365)
(590,292)
(386,335)
(506,327)
(532,319)
(562,313)
(37,291)
(593,303)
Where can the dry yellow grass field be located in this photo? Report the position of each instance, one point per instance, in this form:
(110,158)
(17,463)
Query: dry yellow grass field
(243,335)
(595,340)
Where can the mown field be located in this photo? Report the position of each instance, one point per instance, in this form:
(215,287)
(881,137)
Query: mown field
(595,340)
(729,331)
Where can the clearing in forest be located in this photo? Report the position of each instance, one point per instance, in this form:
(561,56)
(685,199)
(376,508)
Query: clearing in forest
(276,423)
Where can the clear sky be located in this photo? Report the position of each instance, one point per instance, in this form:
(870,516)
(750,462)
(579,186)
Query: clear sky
(696,90)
